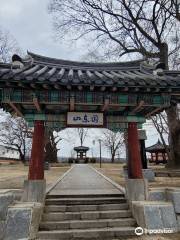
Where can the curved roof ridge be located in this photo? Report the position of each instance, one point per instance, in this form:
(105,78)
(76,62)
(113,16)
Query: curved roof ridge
(50,60)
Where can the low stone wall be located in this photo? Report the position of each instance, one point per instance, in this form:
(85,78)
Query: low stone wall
(155,215)
(147,174)
(20,220)
(23,221)
(154,209)
(6,198)
(166,173)
(163,197)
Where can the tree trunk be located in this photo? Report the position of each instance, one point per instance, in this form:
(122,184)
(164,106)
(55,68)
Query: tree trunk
(164,54)
(112,157)
(173,122)
(174,137)
(22,156)
(50,153)
(50,149)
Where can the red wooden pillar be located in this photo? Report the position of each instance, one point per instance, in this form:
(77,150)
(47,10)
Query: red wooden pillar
(36,166)
(134,156)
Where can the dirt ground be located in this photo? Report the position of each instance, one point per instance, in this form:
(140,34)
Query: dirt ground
(115,172)
(12,176)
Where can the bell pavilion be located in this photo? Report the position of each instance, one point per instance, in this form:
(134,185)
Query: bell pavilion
(81,152)
(54,93)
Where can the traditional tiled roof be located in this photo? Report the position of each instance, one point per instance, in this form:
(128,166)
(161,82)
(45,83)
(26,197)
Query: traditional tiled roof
(36,69)
(81,148)
(158,147)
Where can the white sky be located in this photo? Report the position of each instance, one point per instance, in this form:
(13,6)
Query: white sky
(29,22)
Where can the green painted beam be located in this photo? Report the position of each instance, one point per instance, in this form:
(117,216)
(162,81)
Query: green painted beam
(20,95)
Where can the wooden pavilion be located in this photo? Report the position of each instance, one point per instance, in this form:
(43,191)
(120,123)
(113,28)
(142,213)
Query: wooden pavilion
(158,153)
(81,153)
(54,93)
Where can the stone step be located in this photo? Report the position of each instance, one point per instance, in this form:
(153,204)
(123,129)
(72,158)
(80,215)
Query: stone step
(91,215)
(84,201)
(76,208)
(49,196)
(86,224)
(81,234)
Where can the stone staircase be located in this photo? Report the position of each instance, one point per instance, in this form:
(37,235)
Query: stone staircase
(86,217)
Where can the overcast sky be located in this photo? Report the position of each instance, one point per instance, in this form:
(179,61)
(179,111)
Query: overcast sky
(29,22)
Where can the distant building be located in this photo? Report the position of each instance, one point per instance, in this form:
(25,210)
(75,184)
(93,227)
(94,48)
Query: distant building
(158,153)
(81,153)
(8,152)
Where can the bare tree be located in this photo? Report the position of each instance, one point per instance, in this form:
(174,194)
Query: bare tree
(8,46)
(114,141)
(14,132)
(161,124)
(173,7)
(126,27)
(133,28)
(51,146)
(82,133)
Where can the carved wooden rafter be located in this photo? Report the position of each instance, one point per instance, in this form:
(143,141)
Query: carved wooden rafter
(139,107)
(37,105)
(72,104)
(105,106)
(14,107)
(154,111)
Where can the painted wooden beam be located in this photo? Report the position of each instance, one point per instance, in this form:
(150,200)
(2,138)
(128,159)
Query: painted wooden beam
(57,86)
(153,111)
(125,89)
(156,90)
(136,89)
(105,106)
(114,89)
(13,106)
(33,85)
(91,88)
(37,105)
(46,86)
(103,88)
(80,88)
(138,108)
(72,104)
(20,84)
(8,84)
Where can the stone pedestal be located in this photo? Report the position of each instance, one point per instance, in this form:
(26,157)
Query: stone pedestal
(136,189)
(34,191)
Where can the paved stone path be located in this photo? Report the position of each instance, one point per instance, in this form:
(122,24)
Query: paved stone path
(83,179)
